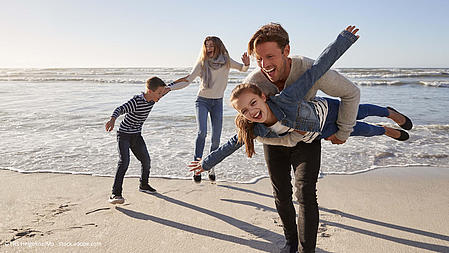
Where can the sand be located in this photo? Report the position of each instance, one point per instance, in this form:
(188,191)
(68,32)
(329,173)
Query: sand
(385,210)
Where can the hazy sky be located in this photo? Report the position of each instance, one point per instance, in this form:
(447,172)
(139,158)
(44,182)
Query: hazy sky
(168,33)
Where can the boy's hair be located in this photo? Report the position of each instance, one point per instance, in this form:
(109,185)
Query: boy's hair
(245,127)
(271,32)
(155,82)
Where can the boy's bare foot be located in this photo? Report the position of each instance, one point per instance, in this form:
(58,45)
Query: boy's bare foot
(400,119)
(397,134)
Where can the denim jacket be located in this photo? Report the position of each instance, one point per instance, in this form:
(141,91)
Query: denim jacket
(289,106)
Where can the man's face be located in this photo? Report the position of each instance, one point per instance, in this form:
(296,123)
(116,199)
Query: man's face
(273,60)
(157,94)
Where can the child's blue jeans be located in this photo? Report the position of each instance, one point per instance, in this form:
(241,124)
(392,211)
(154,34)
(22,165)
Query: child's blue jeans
(361,128)
(137,145)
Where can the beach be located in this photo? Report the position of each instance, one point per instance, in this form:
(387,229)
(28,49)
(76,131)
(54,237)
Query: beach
(400,209)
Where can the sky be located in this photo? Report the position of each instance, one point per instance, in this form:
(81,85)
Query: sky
(169,33)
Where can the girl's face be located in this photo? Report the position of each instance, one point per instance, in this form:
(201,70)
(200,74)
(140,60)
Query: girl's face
(210,48)
(253,107)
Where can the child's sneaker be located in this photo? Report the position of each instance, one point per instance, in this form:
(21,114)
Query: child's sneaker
(146,188)
(212,175)
(197,178)
(116,199)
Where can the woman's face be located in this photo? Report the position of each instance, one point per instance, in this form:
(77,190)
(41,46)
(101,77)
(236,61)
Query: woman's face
(210,48)
(253,107)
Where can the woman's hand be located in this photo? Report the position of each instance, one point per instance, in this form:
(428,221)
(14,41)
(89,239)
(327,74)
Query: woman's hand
(196,167)
(245,59)
(352,30)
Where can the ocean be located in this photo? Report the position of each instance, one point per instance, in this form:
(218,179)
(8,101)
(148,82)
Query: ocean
(53,121)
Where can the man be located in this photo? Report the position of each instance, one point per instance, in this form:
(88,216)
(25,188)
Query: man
(270,46)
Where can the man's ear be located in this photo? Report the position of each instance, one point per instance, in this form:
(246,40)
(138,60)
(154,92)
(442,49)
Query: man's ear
(264,97)
(286,50)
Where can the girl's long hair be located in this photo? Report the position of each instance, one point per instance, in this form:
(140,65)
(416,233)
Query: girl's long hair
(245,128)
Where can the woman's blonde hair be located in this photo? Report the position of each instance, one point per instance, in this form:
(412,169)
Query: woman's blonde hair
(245,128)
(219,48)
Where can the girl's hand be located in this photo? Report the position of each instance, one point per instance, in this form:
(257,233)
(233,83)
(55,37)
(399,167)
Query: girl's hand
(352,30)
(196,167)
(245,59)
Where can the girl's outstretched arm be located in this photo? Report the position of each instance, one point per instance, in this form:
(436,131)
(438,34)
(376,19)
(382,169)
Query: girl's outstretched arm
(297,90)
(216,156)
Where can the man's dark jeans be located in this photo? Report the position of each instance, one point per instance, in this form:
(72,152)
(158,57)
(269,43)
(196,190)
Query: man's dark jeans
(305,160)
(137,145)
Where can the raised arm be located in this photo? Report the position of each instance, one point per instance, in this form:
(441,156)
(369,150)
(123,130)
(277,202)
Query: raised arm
(241,67)
(297,90)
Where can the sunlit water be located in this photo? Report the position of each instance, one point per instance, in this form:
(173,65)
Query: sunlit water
(53,120)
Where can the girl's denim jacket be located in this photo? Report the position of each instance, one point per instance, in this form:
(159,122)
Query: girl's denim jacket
(289,106)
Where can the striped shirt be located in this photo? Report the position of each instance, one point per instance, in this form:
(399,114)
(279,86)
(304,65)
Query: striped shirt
(136,110)
(289,138)
(321,111)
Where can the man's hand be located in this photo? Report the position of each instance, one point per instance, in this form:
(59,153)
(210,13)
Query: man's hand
(334,139)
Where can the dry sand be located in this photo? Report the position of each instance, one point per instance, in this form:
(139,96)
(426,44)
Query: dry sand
(385,210)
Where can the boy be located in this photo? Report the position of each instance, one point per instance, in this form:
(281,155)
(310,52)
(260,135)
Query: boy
(129,136)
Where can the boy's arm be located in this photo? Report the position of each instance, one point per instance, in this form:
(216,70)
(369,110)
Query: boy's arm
(127,107)
(297,90)
(216,156)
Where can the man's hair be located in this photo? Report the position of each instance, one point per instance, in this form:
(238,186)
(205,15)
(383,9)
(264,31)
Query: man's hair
(271,32)
(155,82)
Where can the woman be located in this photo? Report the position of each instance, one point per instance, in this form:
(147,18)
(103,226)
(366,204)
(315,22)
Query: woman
(213,69)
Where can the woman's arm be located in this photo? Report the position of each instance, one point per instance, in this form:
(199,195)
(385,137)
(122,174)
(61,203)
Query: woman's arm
(297,90)
(185,81)
(238,66)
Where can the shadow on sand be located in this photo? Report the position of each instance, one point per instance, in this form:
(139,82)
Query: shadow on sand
(421,245)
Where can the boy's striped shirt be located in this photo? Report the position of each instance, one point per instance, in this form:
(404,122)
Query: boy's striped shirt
(136,110)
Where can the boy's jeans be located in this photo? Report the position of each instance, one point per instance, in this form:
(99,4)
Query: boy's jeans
(361,128)
(214,107)
(137,145)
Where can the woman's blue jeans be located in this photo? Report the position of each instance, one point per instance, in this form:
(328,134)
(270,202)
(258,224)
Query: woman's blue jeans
(214,107)
(361,128)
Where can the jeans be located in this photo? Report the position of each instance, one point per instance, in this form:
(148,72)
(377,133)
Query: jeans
(214,107)
(361,128)
(137,145)
(304,159)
